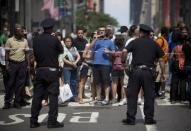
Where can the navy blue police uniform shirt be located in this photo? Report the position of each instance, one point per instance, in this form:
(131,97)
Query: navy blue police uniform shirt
(46,50)
(144,51)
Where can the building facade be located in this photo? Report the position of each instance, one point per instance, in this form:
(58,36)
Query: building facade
(157,13)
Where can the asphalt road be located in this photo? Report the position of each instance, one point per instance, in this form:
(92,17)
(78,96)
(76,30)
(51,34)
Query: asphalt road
(102,118)
(89,117)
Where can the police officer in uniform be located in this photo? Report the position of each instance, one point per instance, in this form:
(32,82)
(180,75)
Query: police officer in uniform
(46,51)
(145,51)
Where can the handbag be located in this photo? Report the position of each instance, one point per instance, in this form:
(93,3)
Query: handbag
(65,93)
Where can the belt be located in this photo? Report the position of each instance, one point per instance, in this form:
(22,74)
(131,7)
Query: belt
(49,68)
(144,67)
(13,61)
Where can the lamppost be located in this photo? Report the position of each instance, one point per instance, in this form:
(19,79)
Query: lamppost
(74,8)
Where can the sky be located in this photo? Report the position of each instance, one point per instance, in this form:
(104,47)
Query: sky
(118,9)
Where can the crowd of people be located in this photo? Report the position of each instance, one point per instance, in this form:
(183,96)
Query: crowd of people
(115,64)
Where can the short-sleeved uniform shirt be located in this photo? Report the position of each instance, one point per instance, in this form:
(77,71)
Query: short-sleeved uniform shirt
(144,51)
(46,50)
(16,49)
(100,58)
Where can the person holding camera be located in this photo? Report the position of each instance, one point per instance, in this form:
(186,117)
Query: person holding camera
(102,63)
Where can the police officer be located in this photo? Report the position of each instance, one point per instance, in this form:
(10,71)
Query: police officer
(46,51)
(144,51)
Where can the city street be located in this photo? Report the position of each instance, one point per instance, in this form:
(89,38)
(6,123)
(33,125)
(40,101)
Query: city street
(95,52)
(103,118)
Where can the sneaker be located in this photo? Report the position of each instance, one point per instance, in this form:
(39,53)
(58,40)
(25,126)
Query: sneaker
(123,102)
(93,102)
(115,104)
(105,102)
(114,101)
(81,101)
(162,95)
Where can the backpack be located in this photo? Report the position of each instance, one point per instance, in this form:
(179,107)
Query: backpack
(117,61)
(163,47)
(180,56)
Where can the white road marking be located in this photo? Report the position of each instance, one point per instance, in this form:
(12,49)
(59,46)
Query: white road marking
(82,119)
(88,103)
(15,118)
(148,127)
(166,102)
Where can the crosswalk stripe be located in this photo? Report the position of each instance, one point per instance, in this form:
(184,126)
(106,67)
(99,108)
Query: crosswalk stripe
(166,102)
(148,127)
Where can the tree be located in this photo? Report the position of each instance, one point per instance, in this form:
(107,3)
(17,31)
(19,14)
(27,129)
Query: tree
(92,20)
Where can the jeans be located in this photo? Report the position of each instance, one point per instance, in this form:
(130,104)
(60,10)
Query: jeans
(70,77)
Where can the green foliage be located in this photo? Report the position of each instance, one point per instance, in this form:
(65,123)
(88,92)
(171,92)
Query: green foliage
(92,20)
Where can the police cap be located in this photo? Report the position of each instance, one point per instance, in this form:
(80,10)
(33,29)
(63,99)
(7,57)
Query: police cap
(145,28)
(48,23)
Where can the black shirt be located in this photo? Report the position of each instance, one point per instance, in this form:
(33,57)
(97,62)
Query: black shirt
(46,50)
(187,52)
(80,44)
(144,51)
